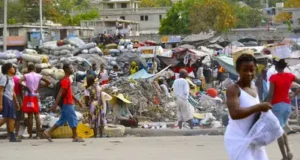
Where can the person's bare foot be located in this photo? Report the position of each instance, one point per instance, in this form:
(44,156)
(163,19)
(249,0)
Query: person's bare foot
(290,156)
(48,136)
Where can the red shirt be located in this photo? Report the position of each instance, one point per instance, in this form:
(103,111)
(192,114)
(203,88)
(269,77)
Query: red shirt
(282,84)
(17,87)
(66,84)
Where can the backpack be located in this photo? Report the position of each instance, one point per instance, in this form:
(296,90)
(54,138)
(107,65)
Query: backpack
(56,91)
(5,83)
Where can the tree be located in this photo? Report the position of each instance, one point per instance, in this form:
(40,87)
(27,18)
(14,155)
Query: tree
(148,4)
(247,17)
(176,22)
(155,3)
(292,4)
(75,20)
(251,3)
(164,3)
(285,16)
(214,15)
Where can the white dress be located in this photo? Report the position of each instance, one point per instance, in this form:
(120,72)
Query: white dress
(236,143)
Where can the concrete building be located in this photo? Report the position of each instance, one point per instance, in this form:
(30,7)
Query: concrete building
(148,18)
(111,26)
(20,36)
(273,11)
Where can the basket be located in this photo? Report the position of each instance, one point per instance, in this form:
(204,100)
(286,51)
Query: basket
(84,131)
(237,54)
(62,132)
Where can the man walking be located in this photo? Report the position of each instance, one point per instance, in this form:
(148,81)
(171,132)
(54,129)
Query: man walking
(67,111)
(182,91)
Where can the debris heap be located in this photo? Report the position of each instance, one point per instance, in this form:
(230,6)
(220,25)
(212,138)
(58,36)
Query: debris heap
(147,100)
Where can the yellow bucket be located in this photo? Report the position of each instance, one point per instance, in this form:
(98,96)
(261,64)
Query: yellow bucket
(84,131)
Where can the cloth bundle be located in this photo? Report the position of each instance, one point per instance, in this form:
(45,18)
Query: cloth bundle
(265,131)
(9,56)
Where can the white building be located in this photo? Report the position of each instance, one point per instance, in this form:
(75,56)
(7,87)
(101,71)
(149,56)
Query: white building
(148,18)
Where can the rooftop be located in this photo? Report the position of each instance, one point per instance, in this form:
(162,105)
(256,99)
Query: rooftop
(112,1)
(112,20)
(45,27)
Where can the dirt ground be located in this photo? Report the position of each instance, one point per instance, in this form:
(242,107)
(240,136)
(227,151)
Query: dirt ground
(157,148)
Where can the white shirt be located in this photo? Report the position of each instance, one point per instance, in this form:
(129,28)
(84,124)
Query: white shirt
(165,89)
(181,88)
(200,73)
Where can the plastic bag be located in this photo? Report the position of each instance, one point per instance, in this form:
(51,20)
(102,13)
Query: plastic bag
(266,130)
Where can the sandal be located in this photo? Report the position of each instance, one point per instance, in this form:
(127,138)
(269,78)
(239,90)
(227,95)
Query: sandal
(78,140)
(47,136)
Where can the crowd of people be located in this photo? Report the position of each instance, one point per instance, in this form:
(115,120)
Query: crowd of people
(20,104)
(242,98)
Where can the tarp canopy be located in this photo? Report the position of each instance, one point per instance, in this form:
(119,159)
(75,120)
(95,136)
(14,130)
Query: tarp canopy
(168,61)
(226,63)
(199,37)
(198,53)
(187,46)
(142,74)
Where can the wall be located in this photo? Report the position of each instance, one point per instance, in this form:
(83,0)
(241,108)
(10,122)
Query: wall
(153,22)
(236,34)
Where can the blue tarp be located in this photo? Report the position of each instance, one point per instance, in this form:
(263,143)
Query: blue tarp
(226,63)
(142,74)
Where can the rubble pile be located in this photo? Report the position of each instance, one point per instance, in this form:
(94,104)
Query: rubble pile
(147,101)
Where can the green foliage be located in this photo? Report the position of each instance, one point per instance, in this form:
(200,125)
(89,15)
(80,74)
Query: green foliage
(59,11)
(173,24)
(12,21)
(247,17)
(75,20)
(216,15)
(219,16)
(155,3)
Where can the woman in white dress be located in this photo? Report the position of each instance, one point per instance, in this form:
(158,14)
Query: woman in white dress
(244,107)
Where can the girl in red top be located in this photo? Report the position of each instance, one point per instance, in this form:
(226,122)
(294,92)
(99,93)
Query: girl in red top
(280,84)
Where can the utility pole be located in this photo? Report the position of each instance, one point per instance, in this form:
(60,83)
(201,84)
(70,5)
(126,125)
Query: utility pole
(5,26)
(41,21)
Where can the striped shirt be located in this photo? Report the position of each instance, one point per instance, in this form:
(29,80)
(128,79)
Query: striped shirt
(113,75)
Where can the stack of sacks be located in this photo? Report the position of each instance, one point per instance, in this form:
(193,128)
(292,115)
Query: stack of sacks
(53,75)
(89,48)
(31,56)
(79,63)
(42,64)
(61,52)
(125,44)
(48,46)
(9,56)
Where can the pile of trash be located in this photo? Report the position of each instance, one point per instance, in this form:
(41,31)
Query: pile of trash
(147,101)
